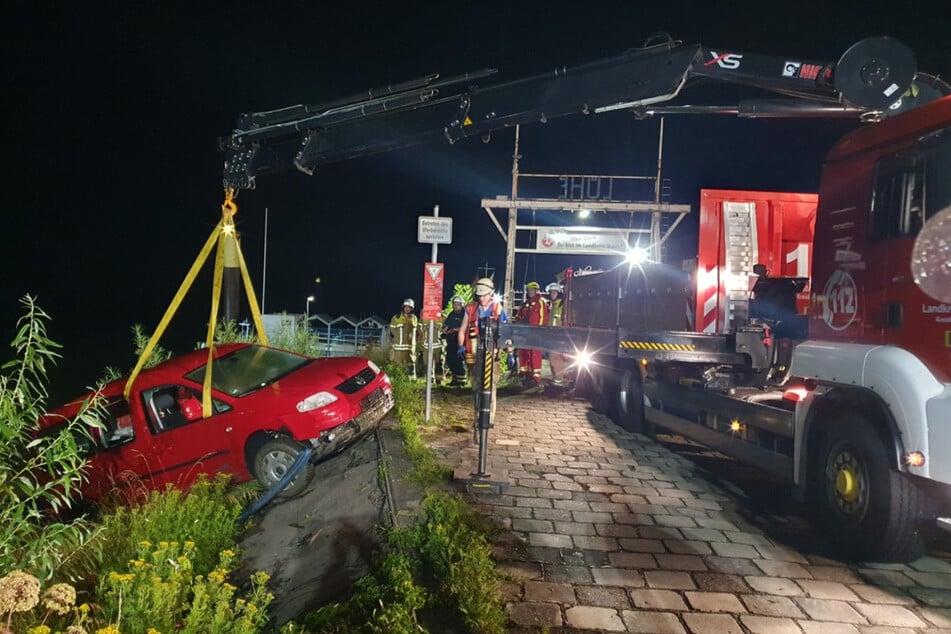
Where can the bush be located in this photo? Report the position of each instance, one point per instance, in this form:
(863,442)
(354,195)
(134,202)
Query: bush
(38,473)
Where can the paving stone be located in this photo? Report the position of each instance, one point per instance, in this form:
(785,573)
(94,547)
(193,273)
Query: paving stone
(887,629)
(651,599)
(680,562)
(687,547)
(532,526)
(632,560)
(782,569)
(659,532)
(550,539)
(932,596)
(554,515)
(621,577)
(931,564)
(594,618)
(880,577)
(595,542)
(826,590)
(717,523)
(931,579)
(616,530)
(769,625)
(519,569)
(510,591)
(544,591)
(568,574)
(891,615)
(781,553)
(571,505)
(675,520)
(828,610)
(652,622)
(840,574)
(937,616)
(718,582)
(731,565)
(875,594)
(608,507)
(714,602)
(575,528)
(825,627)
(554,494)
(705,534)
(640,545)
(541,553)
(602,596)
(669,579)
(634,519)
(538,615)
(774,585)
(712,624)
(730,549)
(771,605)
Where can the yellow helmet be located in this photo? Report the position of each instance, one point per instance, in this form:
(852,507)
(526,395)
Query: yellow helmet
(532,285)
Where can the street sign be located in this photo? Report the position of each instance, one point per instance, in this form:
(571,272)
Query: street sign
(434,230)
(432,291)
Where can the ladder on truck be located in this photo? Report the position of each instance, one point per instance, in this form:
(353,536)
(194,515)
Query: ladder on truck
(740,251)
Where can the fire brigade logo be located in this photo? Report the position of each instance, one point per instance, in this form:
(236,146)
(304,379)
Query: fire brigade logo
(839,301)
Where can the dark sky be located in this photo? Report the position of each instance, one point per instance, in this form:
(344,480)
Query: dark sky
(112,113)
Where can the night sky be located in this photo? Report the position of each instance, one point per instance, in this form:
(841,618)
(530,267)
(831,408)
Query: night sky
(113,111)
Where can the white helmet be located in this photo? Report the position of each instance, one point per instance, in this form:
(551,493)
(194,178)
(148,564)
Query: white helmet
(457,299)
(554,286)
(409,302)
(483,286)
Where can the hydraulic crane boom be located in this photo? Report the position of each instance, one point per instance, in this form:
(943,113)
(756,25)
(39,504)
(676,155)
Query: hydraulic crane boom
(872,79)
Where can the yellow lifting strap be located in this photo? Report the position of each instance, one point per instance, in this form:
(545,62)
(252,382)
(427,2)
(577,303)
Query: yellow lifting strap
(220,235)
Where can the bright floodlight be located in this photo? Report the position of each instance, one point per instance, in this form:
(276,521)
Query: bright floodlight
(584,213)
(636,255)
(583,359)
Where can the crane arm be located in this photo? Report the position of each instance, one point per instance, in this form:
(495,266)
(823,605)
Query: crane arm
(871,79)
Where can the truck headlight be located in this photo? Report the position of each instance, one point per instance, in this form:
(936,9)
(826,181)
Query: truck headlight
(316,401)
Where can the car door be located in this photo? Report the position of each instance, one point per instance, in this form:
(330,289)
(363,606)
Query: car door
(183,443)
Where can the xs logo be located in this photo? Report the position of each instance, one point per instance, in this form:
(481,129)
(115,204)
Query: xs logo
(730,61)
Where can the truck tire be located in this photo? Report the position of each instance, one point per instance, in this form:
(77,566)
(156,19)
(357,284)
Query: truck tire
(629,401)
(273,459)
(870,510)
(599,388)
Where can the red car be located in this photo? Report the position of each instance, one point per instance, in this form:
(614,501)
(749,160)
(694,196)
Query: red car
(268,405)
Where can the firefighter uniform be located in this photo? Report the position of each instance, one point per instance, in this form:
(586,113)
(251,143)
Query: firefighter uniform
(404,328)
(450,333)
(534,312)
(556,360)
(468,338)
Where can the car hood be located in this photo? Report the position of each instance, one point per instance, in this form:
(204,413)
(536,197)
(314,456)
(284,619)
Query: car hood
(319,375)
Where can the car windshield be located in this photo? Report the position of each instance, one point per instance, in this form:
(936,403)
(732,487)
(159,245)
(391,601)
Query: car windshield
(248,369)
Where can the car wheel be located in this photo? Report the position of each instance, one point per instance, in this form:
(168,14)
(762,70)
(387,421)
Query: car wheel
(274,459)
(629,402)
(869,509)
(599,386)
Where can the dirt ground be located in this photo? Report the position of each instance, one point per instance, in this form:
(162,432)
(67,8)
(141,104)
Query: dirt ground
(316,545)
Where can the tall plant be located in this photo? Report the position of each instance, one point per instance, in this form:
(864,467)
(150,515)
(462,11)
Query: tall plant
(38,472)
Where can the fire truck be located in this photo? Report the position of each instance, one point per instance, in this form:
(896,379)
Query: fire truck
(825,360)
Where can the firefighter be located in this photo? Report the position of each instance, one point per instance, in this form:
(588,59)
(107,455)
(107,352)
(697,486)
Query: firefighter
(450,332)
(485,305)
(403,333)
(533,312)
(557,361)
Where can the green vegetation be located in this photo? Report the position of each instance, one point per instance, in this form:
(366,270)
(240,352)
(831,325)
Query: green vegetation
(165,565)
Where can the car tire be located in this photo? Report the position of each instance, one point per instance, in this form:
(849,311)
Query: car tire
(869,509)
(599,387)
(629,401)
(274,458)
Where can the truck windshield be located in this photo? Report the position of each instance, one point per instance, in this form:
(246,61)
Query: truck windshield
(911,187)
(249,369)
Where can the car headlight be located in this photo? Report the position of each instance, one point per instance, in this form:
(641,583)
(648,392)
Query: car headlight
(316,401)
(374,367)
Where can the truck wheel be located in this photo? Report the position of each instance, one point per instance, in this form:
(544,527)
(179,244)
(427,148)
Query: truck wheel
(629,402)
(599,388)
(870,510)
(274,458)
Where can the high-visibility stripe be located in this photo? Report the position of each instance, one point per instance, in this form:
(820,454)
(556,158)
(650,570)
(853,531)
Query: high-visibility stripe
(654,345)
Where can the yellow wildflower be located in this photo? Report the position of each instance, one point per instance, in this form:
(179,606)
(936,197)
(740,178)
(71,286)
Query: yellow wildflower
(145,543)
(76,629)
(59,598)
(189,544)
(39,629)
(109,629)
(152,630)
(19,592)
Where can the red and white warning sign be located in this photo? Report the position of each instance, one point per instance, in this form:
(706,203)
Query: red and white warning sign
(432,291)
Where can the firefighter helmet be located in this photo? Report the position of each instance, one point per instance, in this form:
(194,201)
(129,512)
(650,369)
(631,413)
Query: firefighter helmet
(456,299)
(483,286)
(409,302)
(532,285)
(554,286)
